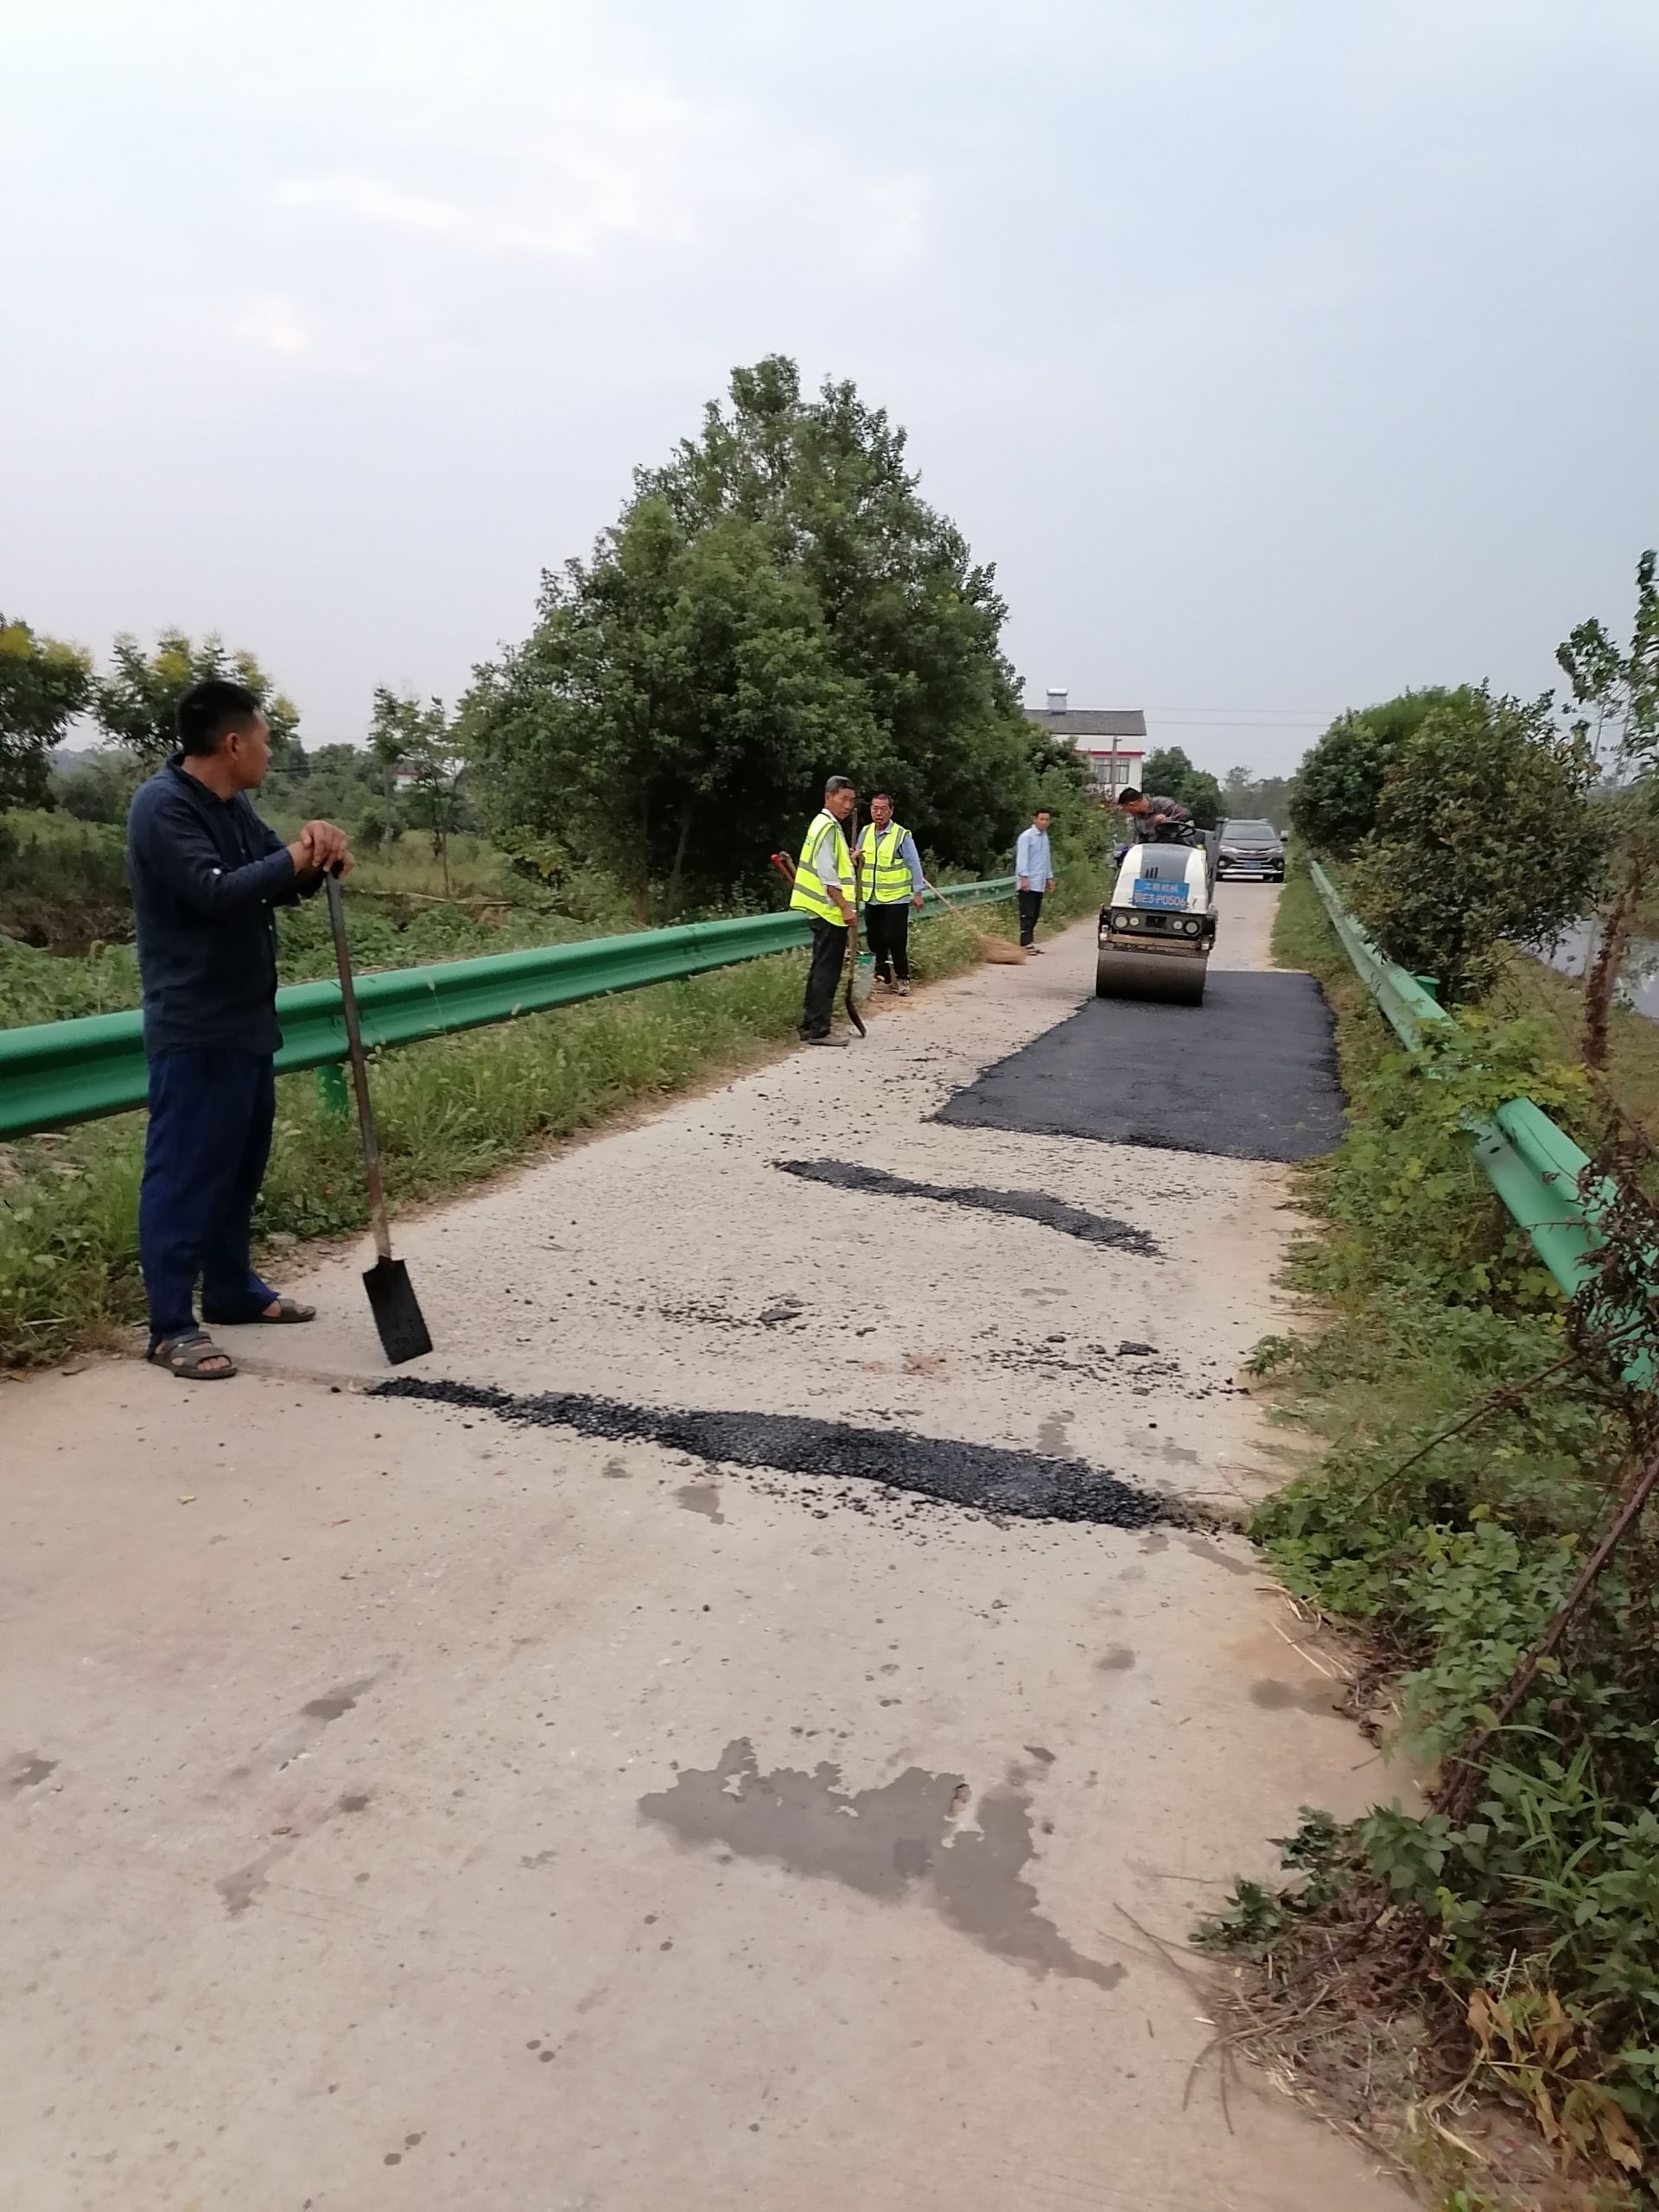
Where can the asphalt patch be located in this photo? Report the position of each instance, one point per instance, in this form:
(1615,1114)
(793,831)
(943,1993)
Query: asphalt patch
(985,1477)
(1251,1074)
(1028,1205)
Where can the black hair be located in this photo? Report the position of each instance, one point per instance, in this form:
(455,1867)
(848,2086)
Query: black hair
(876,795)
(1044,809)
(837,784)
(208,710)
(1127,791)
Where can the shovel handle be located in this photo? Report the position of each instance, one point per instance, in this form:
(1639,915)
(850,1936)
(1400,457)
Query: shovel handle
(360,1069)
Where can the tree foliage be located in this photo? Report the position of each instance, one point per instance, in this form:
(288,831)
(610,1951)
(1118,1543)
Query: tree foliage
(775,604)
(136,703)
(1484,832)
(1616,692)
(1333,798)
(419,740)
(1247,797)
(43,686)
(1169,773)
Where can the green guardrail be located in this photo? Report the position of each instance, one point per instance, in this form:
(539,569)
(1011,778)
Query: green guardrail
(56,1072)
(1534,1167)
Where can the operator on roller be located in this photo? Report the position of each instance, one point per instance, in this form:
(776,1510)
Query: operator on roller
(890,877)
(825,890)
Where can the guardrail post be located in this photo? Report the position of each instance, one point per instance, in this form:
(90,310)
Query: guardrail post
(331,1089)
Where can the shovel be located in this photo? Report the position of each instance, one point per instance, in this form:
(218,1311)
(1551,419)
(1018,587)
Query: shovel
(391,1295)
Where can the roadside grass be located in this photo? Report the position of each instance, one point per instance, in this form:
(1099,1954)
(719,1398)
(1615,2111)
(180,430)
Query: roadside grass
(1506,1958)
(449,1112)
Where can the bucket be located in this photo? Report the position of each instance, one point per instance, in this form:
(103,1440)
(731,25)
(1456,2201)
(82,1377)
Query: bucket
(863,978)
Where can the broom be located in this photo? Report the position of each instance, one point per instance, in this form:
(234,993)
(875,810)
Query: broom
(985,944)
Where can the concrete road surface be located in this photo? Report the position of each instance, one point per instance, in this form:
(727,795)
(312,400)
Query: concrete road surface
(409,1807)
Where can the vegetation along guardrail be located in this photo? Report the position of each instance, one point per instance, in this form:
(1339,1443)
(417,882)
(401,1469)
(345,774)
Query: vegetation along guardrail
(1535,1168)
(55,1072)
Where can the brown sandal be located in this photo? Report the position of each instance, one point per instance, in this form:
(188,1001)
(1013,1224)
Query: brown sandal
(187,1357)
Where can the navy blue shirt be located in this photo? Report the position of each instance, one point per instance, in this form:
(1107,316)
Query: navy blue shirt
(205,873)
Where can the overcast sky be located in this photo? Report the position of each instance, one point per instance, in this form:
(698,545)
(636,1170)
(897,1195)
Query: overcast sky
(1280,353)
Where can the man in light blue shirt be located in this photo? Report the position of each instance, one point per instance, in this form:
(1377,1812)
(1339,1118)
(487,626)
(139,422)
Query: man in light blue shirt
(1034,867)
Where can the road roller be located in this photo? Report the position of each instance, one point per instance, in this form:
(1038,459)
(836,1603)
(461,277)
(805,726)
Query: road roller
(1158,929)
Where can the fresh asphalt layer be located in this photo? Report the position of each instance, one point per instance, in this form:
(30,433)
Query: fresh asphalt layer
(1251,1074)
(598,1785)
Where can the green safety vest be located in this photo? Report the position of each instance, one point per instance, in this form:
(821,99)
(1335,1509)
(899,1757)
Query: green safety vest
(809,896)
(886,877)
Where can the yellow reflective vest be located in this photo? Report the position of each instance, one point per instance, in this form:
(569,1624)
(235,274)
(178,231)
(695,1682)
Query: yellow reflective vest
(809,896)
(886,878)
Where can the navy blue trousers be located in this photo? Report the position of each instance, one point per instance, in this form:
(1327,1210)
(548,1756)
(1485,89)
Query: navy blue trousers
(210,1119)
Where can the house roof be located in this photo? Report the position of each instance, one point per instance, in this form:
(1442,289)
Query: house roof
(1089,721)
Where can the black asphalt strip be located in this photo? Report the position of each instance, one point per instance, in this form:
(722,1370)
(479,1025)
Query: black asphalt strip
(1028,1205)
(1250,1074)
(988,1477)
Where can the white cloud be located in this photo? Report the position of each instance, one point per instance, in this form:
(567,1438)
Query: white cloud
(272,321)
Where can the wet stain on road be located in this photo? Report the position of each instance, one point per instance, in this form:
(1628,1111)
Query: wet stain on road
(1025,1205)
(335,1704)
(702,1498)
(1201,1548)
(1274,1696)
(987,1478)
(25,1770)
(1117,1661)
(898,1841)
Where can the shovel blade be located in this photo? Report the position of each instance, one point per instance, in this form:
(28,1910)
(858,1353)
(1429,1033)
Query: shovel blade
(404,1334)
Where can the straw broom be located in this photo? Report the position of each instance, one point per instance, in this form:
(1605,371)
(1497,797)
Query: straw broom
(985,944)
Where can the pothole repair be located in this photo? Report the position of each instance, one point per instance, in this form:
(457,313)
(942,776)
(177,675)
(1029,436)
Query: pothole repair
(909,1837)
(1026,1206)
(986,1477)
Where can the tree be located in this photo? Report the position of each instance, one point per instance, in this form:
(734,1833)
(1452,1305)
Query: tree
(419,742)
(1484,833)
(1615,717)
(43,685)
(1616,692)
(1169,773)
(1333,798)
(776,603)
(137,703)
(95,788)
(1247,797)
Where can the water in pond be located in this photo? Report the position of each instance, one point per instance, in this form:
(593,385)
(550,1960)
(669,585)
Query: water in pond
(1638,984)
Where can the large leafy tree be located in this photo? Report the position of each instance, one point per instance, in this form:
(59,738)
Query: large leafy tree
(1486,832)
(138,701)
(43,686)
(776,603)
(1333,800)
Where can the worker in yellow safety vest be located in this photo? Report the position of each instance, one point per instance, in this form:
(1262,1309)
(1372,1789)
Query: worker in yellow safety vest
(827,891)
(890,877)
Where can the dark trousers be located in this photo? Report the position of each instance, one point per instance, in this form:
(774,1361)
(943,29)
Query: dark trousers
(1031,905)
(829,958)
(888,929)
(205,1152)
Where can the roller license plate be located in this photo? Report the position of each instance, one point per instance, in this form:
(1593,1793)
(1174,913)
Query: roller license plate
(1149,891)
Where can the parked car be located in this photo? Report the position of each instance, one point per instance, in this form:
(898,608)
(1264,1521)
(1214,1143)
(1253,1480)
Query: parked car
(1250,848)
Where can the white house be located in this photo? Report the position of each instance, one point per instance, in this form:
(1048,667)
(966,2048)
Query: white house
(1113,740)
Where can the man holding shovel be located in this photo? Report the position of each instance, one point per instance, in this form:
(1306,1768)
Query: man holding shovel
(826,892)
(205,874)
